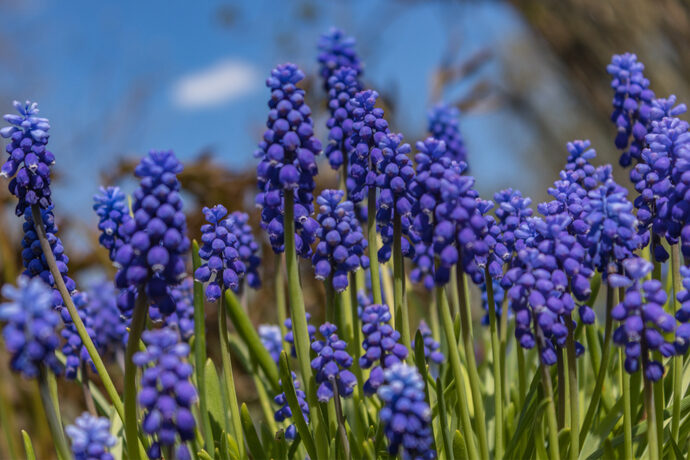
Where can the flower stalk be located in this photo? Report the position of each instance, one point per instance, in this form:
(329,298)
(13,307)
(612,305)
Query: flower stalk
(498,374)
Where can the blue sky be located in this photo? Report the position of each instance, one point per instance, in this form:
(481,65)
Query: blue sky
(120,78)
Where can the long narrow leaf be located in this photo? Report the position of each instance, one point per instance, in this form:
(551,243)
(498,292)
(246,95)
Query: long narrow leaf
(250,434)
(297,416)
(28,446)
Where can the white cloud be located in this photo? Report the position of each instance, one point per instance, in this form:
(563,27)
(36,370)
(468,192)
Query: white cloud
(220,83)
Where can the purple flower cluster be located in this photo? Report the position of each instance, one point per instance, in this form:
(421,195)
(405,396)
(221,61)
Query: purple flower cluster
(155,240)
(91,438)
(108,324)
(73,348)
(288,160)
(285,412)
(111,208)
(29,162)
(222,267)
(405,413)
(332,364)
(166,394)
(342,87)
(369,128)
(290,338)
(181,319)
(511,211)
(443,126)
(336,51)
(683,314)
(30,333)
(432,352)
(272,340)
(238,224)
(381,345)
(341,243)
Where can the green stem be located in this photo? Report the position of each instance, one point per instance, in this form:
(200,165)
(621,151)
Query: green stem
(228,375)
(659,403)
(136,328)
(200,354)
(475,385)
(652,440)
(373,247)
(341,421)
(560,373)
(281,304)
(299,322)
(402,315)
(354,345)
(7,421)
(550,412)
(503,331)
(495,350)
(603,365)
(522,373)
(330,300)
(678,360)
(49,405)
(627,409)
(74,314)
(454,357)
(574,393)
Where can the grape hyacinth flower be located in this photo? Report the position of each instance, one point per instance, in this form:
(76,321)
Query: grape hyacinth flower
(111,208)
(336,50)
(343,85)
(29,162)
(221,267)
(381,344)
(341,244)
(155,240)
(91,438)
(511,211)
(288,161)
(285,412)
(238,224)
(30,333)
(289,337)
(682,342)
(643,321)
(166,394)
(369,128)
(108,324)
(443,126)
(74,350)
(272,340)
(432,351)
(181,319)
(332,365)
(405,414)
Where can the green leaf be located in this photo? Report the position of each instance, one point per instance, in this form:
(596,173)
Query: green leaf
(596,437)
(203,455)
(442,412)
(293,448)
(459,447)
(28,446)
(297,416)
(233,448)
(530,408)
(214,397)
(250,337)
(279,446)
(224,449)
(563,441)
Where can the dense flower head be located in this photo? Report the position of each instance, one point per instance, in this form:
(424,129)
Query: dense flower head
(342,86)
(394,174)
(73,348)
(29,162)
(432,349)
(643,321)
(405,413)
(30,333)
(290,338)
(612,235)
(332,364)
(682,342)
(91,438)
(579,169)
(181,319)
(284,412)
(222,267)
(336,50)
(631,105)
(381,344)
(272,340)
(237,223)
(166,394)
(34,261)
(108,324)
(111,208)
(443,126)
(341,244)
(155,240)
(287,160)
(368,130)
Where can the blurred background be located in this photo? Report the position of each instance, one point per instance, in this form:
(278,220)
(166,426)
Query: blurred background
(118,79)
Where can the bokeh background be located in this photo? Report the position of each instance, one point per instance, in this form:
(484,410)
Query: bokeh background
(119,78)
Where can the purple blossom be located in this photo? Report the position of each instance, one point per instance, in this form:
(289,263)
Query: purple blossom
(238,224)
(91,438)
(272,340)
(285,412)
(443,126)
(111,208)
(181,319)
(432,351)
(73,348)
(29,162)
(336,51)
(332,364)
(107,322)
(683,314)
(289,337)
(342,87)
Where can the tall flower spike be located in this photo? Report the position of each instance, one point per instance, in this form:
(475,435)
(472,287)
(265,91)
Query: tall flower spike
(238,224)
(111,208)
(511,211)
(285,413)
(108,324)
(30,333)
(91,438)
(368,130)
(219,252)
(29,162)
(336,50)
(288,161)
(332,365)
(343,85)
(155,240)
(405,414)
(341,243)
(381,345)
(643,321)
(167,394)
(443,126)
(272,340)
